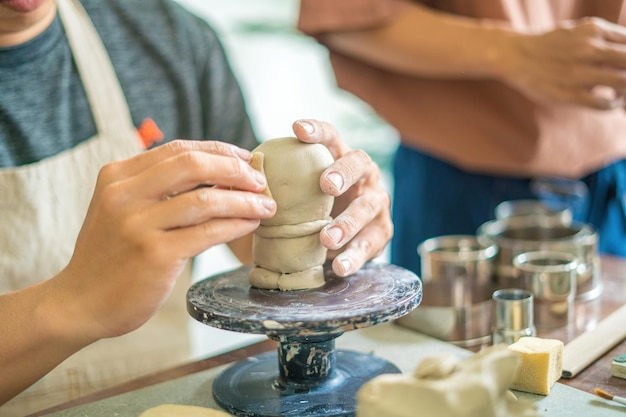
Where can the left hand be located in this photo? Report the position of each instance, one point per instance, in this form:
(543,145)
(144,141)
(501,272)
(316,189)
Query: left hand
(580,62)
(361,225)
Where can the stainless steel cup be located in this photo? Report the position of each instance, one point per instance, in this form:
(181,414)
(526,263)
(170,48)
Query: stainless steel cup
(519,234)
(551,277)
(527,207)
(513,315)
(458,279)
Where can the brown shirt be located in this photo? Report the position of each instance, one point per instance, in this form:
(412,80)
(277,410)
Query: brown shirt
(479,125)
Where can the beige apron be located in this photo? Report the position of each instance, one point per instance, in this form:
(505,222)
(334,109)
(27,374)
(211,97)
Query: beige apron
(42,207)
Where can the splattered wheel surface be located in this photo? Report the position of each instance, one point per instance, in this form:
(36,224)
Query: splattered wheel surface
(375,294)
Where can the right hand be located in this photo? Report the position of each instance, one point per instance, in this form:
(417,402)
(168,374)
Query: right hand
(581,62)
(149,214)
(361,226)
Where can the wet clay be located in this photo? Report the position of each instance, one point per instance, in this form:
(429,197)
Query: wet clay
(445,386)
(287,251)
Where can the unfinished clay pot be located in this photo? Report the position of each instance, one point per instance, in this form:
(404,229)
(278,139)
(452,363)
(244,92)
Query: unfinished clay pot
(287,251)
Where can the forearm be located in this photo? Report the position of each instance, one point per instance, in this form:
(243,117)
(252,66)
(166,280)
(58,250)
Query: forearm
(428,43)
(36,336)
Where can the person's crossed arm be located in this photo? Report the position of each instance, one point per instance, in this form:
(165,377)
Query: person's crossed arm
(580,62)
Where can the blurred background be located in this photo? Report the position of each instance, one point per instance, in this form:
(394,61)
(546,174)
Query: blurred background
(285,76)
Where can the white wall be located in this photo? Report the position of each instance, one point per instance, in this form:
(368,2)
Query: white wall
(285,76)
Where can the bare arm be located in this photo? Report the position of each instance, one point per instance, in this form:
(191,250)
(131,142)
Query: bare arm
(579,62)
(425,42)
(147,217)
(41,330)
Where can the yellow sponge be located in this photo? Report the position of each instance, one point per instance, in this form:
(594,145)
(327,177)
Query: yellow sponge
(541,366)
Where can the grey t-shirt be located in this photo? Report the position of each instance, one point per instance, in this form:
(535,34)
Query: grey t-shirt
(170,64)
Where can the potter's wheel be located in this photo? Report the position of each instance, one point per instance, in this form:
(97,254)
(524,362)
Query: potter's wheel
(307,377)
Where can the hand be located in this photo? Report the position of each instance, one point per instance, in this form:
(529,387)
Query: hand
(581,62)
(361,225)
(149,214)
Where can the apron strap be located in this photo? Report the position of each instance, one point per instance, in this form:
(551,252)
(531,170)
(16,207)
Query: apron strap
(106,98)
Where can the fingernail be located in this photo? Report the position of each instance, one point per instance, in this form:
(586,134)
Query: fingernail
(268,203)
(336,179)
(308,126)
(260,178)
(335,234)
(346,265)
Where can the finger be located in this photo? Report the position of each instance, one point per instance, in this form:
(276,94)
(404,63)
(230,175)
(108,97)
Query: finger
(203,204)
(581,95)
(359,213)
(143,161)
(368,244)
(611,54)
(591,76)
(596,98)
(190,241)
(315,131)
(354,167)
(608,30)
(607,42)
(186,171)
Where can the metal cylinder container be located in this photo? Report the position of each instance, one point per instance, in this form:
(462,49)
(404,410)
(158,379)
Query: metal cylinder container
(516,235)
(551,277)
(458,279)
(548,215)
(513,315)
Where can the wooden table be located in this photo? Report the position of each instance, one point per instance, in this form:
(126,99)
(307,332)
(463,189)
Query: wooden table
(597,375)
